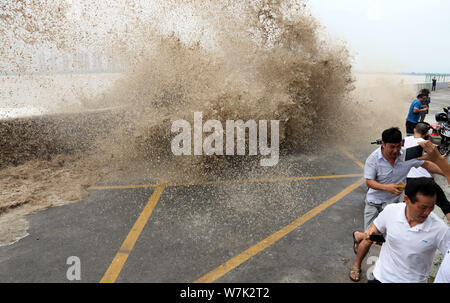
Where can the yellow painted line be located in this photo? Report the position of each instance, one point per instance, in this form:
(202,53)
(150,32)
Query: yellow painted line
(252,251)
(229,182)
(122,186)
(352,157)
(127,246)
(267,180)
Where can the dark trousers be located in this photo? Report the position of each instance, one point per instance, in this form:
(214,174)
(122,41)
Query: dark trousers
(422,116)
(441,200)
(410,127)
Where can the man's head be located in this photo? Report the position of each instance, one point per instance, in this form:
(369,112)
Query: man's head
(420,198)
(392,142)
(421,130)
(422,98)
(425,91)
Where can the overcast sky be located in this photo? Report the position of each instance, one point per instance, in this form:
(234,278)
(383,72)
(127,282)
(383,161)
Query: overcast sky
(390,35)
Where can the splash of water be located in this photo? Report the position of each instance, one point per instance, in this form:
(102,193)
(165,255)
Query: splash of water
(254,61)
(230,60)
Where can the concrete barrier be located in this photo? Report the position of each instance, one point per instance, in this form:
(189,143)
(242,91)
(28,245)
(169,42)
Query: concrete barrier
(439,85)
(42,137)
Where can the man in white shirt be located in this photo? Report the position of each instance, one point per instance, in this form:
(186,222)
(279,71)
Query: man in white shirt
(420,134)
(414,233)
(443,275)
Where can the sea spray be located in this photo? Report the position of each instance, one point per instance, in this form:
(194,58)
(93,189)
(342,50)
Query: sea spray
(230,60)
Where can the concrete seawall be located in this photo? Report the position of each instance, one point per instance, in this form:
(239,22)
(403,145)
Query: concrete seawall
(439,85)
(41,137)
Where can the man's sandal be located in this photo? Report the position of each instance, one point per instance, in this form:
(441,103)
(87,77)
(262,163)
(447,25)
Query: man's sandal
(355,274)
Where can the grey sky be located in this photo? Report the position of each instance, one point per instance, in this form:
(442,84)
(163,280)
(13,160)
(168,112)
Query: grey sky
(390,35)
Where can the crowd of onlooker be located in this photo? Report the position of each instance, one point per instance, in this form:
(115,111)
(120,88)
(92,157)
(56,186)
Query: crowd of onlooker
(409,233)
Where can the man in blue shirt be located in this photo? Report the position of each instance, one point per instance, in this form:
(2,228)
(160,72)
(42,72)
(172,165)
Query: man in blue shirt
(417,107)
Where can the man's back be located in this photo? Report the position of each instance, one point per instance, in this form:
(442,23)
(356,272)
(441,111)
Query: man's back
(416,172)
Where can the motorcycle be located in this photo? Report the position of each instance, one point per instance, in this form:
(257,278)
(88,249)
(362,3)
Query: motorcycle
(443,119)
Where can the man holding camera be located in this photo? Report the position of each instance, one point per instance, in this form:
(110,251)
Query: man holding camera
(417,108)
(385,172)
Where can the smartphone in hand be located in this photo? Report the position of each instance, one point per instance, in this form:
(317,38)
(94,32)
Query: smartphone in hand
(378,238)
(414,153)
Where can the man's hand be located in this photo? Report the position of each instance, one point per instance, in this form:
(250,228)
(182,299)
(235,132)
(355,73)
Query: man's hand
(368,239)
(371,230)
(395,189)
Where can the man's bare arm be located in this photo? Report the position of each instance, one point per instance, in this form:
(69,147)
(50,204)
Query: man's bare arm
(432,154)
(365,236)
(416,110)
(432,168)
(370,231)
